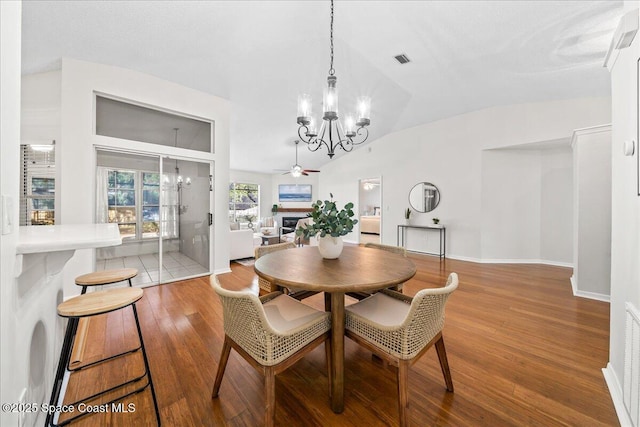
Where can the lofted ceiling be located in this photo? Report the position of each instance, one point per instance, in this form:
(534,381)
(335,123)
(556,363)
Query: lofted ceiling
(465,56)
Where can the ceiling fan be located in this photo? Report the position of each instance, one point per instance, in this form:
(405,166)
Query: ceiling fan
(370,185)
(296,170)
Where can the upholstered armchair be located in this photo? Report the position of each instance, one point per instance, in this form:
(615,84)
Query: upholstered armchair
(399,329)
(271,333)
(268,223)
(299,240)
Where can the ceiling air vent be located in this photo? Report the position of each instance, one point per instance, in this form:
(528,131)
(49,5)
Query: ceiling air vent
(402,58)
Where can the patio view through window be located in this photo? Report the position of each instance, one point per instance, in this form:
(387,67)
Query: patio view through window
(133,203)
(38,184)
(244,202)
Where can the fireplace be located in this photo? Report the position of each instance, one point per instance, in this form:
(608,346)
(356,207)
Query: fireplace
(290,221)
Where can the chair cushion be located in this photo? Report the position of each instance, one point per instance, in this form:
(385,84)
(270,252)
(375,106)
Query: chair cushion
(381,309)
(285,313)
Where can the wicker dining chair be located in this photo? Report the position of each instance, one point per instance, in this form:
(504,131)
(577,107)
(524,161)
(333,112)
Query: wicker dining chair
(393,249)
(400,329)
(268,286)
(271,333)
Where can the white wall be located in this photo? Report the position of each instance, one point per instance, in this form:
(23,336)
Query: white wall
(511,192)
(556,209)
(76,147)
(526,204)
(13,358)
(448,153)
(625,209)
(592,212)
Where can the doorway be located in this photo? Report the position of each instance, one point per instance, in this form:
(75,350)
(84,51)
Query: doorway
(370,210)
(161,206)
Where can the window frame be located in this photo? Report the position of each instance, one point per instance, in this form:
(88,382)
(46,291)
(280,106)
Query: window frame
(233,187)
(37,162)
(138,190)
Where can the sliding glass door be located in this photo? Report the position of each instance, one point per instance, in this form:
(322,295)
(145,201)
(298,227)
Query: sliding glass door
(161,206)
(184,218)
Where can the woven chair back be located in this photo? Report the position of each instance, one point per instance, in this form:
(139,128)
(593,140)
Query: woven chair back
(263,250)
(244,320)
(426,316)
(259,251)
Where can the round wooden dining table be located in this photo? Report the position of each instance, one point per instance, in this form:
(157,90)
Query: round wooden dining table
(357,269)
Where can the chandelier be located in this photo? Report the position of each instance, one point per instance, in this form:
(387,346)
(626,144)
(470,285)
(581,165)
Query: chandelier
(331,134)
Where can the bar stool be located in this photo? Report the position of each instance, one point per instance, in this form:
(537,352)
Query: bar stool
(97,278)
(106,277)
(93,304)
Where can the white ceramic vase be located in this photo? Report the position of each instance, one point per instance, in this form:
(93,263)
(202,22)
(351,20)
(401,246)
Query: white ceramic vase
(330,247)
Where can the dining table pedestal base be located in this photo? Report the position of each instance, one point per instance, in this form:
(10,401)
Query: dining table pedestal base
(337,343)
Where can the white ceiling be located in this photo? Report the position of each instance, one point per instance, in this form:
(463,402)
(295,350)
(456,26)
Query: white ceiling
(466,55)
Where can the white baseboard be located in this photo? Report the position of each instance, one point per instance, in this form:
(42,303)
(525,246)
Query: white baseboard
(615,390)
(592,295)
(527,261)
(585,294)
(510,261)
(222,271)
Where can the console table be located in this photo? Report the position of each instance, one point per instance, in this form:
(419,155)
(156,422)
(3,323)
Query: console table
(402,230)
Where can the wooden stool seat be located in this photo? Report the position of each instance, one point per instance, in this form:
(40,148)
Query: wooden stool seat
(93,304)
(106,277)
(100,302)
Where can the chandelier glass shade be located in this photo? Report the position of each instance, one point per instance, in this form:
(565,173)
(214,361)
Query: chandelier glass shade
(331,133)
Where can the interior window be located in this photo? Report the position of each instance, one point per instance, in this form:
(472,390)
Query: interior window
(124,120)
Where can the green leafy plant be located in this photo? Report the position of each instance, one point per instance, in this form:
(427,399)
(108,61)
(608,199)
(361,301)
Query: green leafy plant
(407,213)
(328,220)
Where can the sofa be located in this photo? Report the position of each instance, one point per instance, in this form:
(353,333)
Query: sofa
(242,243)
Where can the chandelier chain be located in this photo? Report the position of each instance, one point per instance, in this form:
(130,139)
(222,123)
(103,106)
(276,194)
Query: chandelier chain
(331,70)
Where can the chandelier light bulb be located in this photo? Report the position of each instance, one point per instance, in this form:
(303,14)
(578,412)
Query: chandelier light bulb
(349,126)
(364,111)
(330,99)
(312,129)
(304,109)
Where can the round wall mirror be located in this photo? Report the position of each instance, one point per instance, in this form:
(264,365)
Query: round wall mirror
(424,197)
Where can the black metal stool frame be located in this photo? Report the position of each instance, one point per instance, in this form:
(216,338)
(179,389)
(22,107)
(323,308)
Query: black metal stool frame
(63,365)
(133,350)
(84,287)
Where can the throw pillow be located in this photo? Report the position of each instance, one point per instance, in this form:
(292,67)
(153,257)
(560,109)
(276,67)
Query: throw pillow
(268,222)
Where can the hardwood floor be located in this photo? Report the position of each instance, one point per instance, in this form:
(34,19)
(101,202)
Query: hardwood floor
(522,351)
